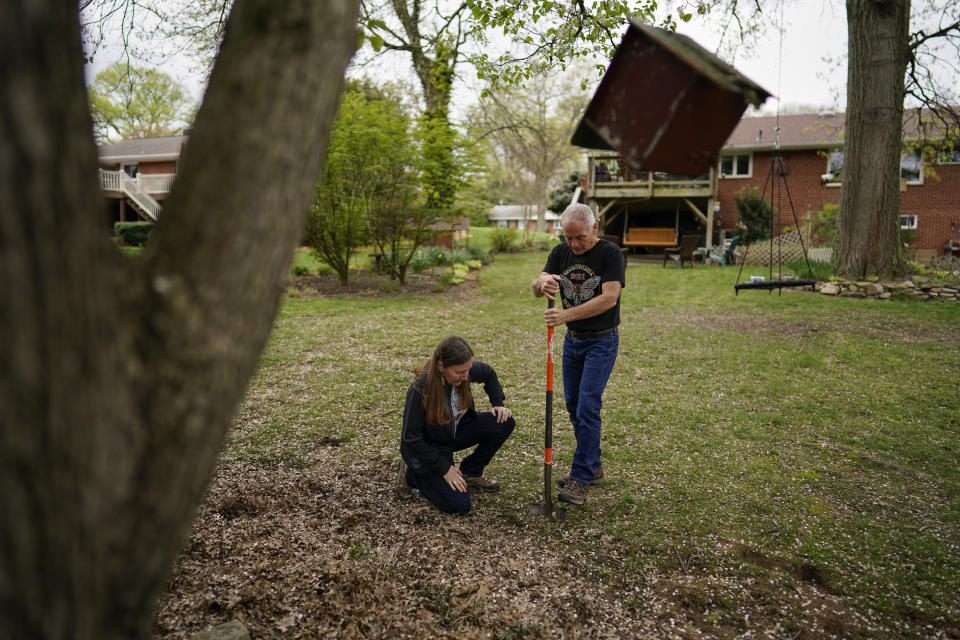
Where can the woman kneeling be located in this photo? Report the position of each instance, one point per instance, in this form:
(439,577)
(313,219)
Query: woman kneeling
(439,418)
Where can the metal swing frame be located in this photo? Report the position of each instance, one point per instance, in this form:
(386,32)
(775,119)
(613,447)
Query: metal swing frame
(778,185)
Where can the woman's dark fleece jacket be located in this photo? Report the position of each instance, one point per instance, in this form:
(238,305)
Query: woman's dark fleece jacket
(427,447)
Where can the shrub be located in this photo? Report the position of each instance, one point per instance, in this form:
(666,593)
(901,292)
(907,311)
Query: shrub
(429,257)
(134,234)
(824,224)
(459,275)
(467,254)
(300,270)
(820,270)
(755,214)
(502,240)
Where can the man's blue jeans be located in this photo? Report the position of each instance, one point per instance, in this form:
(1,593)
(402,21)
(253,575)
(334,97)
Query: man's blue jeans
(587,364)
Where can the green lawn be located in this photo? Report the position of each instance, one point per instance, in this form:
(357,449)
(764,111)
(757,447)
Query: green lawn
(792,438)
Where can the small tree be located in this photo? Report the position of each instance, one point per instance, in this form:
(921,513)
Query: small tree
(755,214)
(334,227)
(368,183)
(397,224)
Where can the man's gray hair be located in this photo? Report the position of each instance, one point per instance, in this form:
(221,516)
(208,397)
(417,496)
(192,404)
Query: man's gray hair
(580,212)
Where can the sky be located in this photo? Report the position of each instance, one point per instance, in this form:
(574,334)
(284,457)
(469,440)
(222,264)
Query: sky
(810,68)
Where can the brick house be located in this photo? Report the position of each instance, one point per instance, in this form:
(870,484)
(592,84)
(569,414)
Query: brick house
(812,157)
(522,218)
(136,176)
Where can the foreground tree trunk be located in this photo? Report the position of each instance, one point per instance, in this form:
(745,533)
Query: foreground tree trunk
(868,238)
(120,376)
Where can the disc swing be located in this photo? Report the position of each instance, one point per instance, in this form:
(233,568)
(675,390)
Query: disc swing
(777,182)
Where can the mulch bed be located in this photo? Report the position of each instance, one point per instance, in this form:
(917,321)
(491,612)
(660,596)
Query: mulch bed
(368,283)
(324,550)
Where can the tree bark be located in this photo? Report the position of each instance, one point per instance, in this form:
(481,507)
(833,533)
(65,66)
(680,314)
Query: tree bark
(868,237)
(121,375)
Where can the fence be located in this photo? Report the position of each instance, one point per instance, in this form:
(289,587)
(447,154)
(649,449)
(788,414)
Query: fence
(786,248)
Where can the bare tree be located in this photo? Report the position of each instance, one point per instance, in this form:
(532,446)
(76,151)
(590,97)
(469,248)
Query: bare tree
(529,128)
(121,376)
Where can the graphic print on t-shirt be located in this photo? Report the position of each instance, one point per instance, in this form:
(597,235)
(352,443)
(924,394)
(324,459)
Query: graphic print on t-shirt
(579,284)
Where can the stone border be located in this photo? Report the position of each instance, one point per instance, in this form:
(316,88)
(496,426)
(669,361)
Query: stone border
(919,287)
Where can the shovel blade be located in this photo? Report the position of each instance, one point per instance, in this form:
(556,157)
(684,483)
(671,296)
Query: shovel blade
(559,515)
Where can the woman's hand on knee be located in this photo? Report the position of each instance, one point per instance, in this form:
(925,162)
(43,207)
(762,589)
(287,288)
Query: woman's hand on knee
(455,479)
(502,414)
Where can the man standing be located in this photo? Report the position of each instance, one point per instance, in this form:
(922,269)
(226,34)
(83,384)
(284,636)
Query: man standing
(589,272)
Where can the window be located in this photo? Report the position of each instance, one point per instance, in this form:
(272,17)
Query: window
(736,166)
(949,156)
(911,167)
(908,221)
(834,168)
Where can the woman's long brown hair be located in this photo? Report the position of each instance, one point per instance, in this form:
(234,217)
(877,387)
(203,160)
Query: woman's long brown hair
(452,351)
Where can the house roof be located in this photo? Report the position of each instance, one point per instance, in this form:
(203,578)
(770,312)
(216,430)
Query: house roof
(519,212)
(458,224)
(803,131)
(142,150)
(822,130)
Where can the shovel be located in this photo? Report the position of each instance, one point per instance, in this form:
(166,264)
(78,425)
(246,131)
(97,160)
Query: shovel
(546,509)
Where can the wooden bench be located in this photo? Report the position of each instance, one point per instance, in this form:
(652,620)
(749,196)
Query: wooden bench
(650,237)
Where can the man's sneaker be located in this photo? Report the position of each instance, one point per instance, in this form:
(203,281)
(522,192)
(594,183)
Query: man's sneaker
(597,477)
(574,492)
(482,482)
(400,488)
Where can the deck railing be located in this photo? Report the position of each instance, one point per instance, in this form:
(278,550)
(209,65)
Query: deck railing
(156,182)
(120,181)
(609,176)
(149,182)
(649,184)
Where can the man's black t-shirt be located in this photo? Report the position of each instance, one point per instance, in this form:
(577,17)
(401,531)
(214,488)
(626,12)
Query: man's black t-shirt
(583,277)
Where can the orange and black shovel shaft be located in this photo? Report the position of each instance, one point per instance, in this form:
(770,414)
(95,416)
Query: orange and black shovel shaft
(548,424)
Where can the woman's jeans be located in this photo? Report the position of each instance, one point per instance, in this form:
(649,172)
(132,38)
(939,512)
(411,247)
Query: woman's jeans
(587,363)
(483,431)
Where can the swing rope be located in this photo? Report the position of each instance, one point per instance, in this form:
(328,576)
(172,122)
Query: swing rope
(776,190)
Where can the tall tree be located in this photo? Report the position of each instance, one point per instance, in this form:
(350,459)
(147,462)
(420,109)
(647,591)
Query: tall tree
(868,238)
(120,377)
(530,126)
(137,102)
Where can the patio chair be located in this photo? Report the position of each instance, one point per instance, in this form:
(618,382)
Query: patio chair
(688,244)
(723,257)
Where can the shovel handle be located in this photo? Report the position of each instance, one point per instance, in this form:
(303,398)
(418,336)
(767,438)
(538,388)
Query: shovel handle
(548,426)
